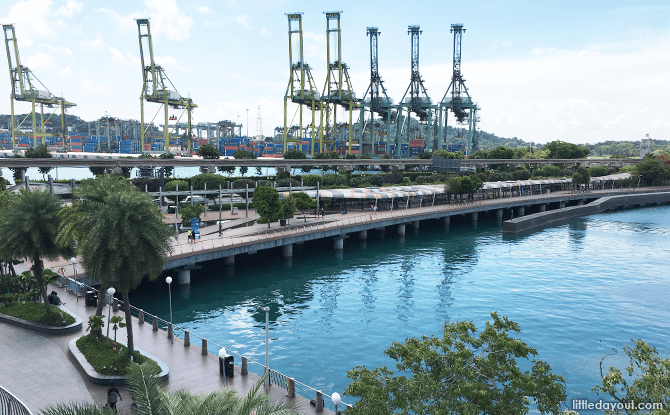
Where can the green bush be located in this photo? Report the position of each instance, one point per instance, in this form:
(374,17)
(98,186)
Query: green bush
(104,360)
(172,185)
(597,171)
(36,313)
(213,181)
(312,179)
(334,179)
(287,182)
(521,174)
(392,178)
(242,183)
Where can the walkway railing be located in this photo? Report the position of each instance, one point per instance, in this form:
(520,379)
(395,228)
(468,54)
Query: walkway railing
(11,405)
(276,378)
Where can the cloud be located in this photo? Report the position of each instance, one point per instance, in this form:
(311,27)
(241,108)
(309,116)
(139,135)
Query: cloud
(265,32)
(243,21)
(31,19)
(204,10)
(70,8)
(60,50)
(39,60)
(121,59)
(89,85)
(92,45)
(65,71)
(169,62)
(165,19)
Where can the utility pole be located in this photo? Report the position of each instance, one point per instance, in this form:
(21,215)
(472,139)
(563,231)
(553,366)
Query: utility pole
(247,122)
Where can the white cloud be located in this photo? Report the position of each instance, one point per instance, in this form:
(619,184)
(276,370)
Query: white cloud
(265,32)
(65,71)
(204,10)
(92,45)
(169,62)
(120,59)
(89,86)
(70,8)
(31,19)
(39,60)
(165,19)
(60,50)
(243,21)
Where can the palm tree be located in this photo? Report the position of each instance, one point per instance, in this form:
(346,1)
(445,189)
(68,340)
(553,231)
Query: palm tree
(28,228)
(145,390)
(78,220)
(125,241)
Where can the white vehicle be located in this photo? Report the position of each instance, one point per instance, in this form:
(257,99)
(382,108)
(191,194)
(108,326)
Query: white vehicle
(196,199)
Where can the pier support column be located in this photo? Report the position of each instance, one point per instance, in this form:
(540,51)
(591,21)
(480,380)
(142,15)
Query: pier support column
(381,231)
(401,229)
(522,211)
(561,205)
(580,202)
(338,244)
(474,216)
(229,260)
(543,207)
(184,277)
(287,250)
(363,235)
(446,220)
(499,213)
(415,226)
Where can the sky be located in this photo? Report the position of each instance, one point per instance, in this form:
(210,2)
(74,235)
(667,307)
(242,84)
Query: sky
(578,71)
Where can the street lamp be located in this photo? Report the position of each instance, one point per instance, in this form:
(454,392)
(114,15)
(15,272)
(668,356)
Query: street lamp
(111,292)
(638,180)
(336,400)
(169,283)
(74,267)
(267,343)
(247,122)
(222,368)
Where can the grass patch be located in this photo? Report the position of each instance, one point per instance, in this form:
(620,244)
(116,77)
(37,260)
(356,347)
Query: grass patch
(106,361)
(36,313)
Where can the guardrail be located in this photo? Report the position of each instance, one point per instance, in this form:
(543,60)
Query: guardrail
(11,405)
(275,378)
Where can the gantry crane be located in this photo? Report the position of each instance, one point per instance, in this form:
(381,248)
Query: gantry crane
(155,89)
(337,89)
(375,97)
(301,88)
(459,101)
(23,89)
(418,101)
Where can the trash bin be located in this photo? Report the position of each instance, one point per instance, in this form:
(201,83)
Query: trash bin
(91,299)
(228,366)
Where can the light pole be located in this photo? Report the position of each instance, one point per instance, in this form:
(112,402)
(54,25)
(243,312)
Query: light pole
(638,181)
(222,362)
(74,266)
(336,400)
(111,292)
(247,122)
(169,283)
(267,343)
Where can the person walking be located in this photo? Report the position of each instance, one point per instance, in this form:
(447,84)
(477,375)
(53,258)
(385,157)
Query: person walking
(113,395)
(188,235)
(220,229)
(371,209)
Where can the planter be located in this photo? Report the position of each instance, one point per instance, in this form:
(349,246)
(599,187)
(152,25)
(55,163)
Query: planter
(98,379)
(42,328)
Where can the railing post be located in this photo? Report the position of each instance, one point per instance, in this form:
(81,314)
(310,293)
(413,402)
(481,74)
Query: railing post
(169,331)
(291,388)
(187,338)
(140,317)
(244,369)
(115,305)
(155,323)
(204,347)
(319,401)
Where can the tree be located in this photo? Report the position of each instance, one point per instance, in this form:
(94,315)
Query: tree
(18,172)
(208,151)
(167,169)
(40,152)
(646,379)
(244,154)
(652,169)
(145,391)
(303,202)
(459,373)
(454,185)
(126,242)
(29,228)
(189,212)
(562,150)
(266,203)
(294,154)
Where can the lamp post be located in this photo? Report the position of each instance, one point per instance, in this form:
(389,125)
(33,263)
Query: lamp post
(111,292)
(74,266)
(247,122)
(638,180)
(336,400)
(169,283)
(267,343)
(222,368)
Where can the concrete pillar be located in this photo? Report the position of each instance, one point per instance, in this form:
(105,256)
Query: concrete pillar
(446,220)
(382,231)
(338,244)
(169,331)
(543,207)
(363,235)
(229,260)
(319,402)
(187,338)
(184,277)
(287,250)
(141,317)
(561,205)
(580,202)
(474,216)
(499,213)
(204,347)
(522,211)
(244,370)
(155,324)
(401,229)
